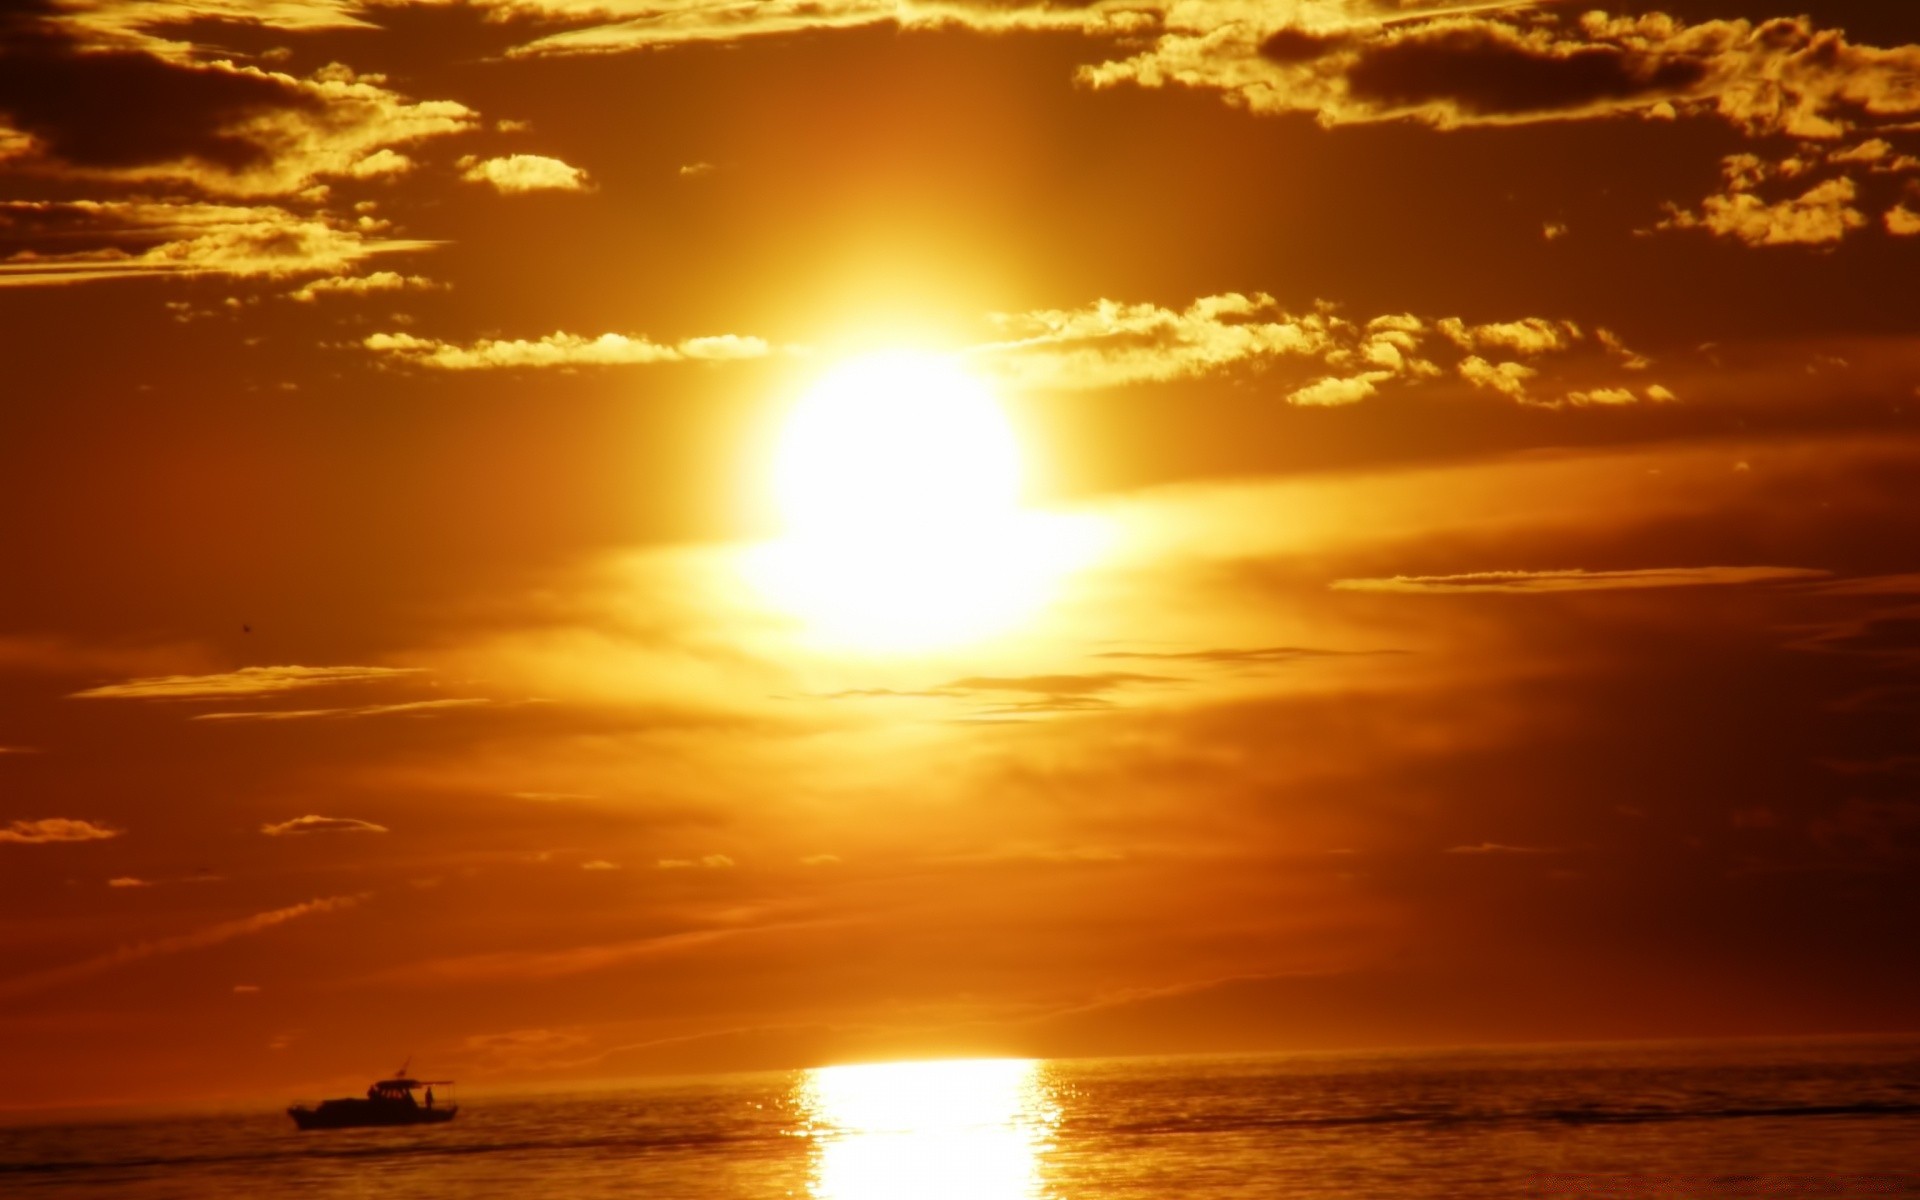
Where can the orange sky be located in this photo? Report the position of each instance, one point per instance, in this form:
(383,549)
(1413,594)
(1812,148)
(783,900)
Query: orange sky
(1464,584)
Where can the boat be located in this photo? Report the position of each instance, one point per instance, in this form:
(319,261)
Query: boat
(388,1102)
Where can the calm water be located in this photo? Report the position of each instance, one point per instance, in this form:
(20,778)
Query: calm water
(1776,1120)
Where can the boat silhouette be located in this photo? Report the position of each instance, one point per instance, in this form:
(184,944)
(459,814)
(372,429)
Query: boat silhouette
(388,1102)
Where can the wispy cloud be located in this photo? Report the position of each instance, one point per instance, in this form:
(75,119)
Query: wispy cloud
(550,964)
(416,708)
(1243,656)
(1041,695)
(1577,580)
(318,824)
(1500,848)
(56,829)
(710,862)
(247,681)
(120,239)
(561,350)
(210,935)
(1052,685)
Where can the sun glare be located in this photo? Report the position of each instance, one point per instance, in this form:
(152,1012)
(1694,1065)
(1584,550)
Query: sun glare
(971,1128)
(898,445)
(898,479)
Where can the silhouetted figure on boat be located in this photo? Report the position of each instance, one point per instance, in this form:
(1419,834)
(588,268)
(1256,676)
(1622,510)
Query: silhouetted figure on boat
(388,1102)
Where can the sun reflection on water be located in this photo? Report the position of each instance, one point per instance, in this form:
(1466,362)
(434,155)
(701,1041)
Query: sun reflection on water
(973,1128)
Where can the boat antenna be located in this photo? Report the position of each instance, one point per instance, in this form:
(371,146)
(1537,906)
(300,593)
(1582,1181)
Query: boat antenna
(402,1072)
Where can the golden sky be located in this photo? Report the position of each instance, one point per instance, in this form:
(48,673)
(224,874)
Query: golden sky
(578,538)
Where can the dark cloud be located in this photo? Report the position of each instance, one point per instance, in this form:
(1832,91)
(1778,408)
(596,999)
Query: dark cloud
(1890,635)
(1488,70)
(116,108)
(1291,45)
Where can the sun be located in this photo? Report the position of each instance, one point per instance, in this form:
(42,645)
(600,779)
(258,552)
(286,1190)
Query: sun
(896,446)
(898,480)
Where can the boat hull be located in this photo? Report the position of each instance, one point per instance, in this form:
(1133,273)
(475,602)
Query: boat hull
(355,1114)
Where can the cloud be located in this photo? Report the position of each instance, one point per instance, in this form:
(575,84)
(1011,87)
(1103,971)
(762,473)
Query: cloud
(1873,585)
(1577,580)
(1043,694)
(197,939)
(409,708)
(1527,336)
(1109,343)
(599,864)
(1333,390)
(1243,656)
(1616,397)
(384,163)
(1821,215)
(134,21)
(532,1049)
(1902,221)
(1051,685)
(1507,378)
(685,22)
(1322,358)
(56,829)
(177,117)
(1352,65)
(92,95)
(361,285)
(316,824)
(128,881)
(561,350)
(1602,398)
(520,173)
(711,862)
(247,681)
(119,239)
(1500,848)
(551,964)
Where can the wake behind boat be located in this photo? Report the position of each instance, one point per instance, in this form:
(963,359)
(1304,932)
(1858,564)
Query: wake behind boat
(388,1102)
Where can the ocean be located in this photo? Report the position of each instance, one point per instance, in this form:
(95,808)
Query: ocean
(1821,1119)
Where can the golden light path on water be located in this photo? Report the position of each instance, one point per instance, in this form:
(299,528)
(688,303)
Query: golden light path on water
(971,1128)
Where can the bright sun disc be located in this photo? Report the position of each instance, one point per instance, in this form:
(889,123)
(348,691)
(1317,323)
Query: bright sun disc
(895,445)
(897,478)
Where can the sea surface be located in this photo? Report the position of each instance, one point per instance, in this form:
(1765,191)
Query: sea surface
(1774,1119)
